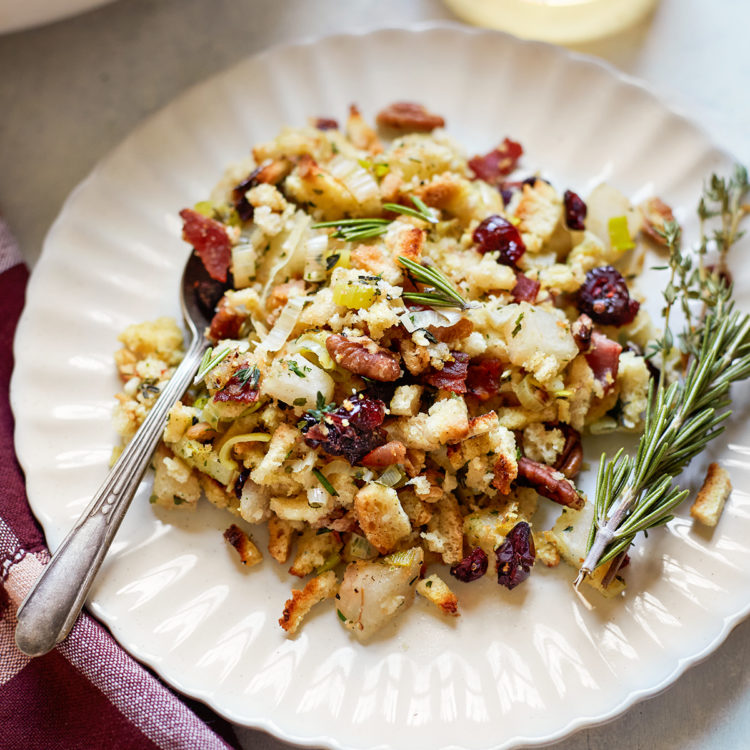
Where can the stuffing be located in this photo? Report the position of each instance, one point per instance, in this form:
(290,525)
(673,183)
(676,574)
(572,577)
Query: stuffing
(217,494)
(633,378)
(444,533)
(541,444)
(709,503)
(381,516)
(405,401)
(175,484)
(316,590)
(179,419)
(540,215)
(546,551)
(435,590)
(280,538)
(249,554)
(314,550)
(160,337)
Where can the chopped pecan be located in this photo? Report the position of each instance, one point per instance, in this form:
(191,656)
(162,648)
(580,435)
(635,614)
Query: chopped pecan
(416,358)
(582,329)
(409,116)
(654,213)
(459,330)
(362,356)
(202,432)
(570,460)
(548,483)
(393,452)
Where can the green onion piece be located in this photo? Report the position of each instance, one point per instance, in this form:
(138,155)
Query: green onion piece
(327,486)
(329,564)
(391,476)
(619,234)
(361,548)
(208,363)
(401,559)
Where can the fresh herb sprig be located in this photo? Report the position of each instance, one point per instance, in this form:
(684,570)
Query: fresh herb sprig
(439,291)
(352,230)
(209,361)
(638,493)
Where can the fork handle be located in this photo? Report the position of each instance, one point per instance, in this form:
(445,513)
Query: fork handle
(52,606)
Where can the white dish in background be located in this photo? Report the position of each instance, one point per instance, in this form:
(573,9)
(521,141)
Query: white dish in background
(23,14)
(530,665)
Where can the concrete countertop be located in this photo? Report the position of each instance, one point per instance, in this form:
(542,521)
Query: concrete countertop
(73,90)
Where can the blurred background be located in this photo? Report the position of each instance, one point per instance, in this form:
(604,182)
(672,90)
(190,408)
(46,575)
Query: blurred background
(74,88)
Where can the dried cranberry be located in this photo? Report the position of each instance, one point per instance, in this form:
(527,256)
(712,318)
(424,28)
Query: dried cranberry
(497,234)
(483,378)
(497,163)
(326,123)
(352,430)
(473,566)
(604,297)
(239,483)
(241,204)
(515,556)
(508,187)
(525,290)
(575,210)
(453,375)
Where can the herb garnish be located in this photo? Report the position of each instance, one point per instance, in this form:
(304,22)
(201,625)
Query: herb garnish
(638,493)
(209,361)
(295,368)
(439,291)
(327,486)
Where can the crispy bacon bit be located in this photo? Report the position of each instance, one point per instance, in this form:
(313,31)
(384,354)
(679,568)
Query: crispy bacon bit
(326,123)
(654,213)
(210,240)
(393,452)
(248,552)
(226,323)
(570,460)
(241,387)
(483,378)
(498,163)
(453,375)
(548,483)
(352,430)
(362,356)
(604,359)
(582,329)
(525,289)
(409,116)
(472,567)
(515,556)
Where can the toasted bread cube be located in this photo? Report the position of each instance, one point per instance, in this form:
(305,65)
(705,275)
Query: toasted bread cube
(546,551)
(313,550)
(217,495)
(445,531)
(709,503)
(435,590)
(249,554)
(381,517)
(175,484)
(317,590)
(280,538)
(405,401)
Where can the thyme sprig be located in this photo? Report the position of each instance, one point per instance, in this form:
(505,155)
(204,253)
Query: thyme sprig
(438,292)
(352,230)
(638,493)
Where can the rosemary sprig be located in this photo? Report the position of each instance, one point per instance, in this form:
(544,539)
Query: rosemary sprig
(638,493)
(352,230)
(209,361)
(439,291)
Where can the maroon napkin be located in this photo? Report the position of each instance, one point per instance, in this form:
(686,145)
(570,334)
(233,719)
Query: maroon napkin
(86,693)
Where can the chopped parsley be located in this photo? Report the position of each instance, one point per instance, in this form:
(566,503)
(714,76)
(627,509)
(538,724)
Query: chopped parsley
(517,328)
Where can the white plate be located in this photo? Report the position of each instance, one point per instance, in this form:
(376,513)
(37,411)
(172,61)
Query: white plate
(524,666)
(22,14)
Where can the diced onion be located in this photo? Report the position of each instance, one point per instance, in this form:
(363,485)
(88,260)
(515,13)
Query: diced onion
(286,385)
(358,181)
(391,476)
(360,548)
(317,497)
(289,252)
(401,559)
(315,249)
(283,327)
(529,394)
(315,344)
(413,321)
(243,265)
(248,437)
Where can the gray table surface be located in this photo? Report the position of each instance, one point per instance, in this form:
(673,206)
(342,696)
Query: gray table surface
(73,90)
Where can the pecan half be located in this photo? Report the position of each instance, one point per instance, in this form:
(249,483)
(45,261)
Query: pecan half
(570,460)
(582,329)
(459,330)
(654,213)
(362,356)
(409,116)
(416,358)
(393,452)
(201,431)
(548,483)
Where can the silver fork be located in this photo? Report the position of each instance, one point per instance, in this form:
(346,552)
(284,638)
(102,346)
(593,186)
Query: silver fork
(52,606)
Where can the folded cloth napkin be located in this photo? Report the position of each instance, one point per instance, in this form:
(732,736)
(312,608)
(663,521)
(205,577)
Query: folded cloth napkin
(87,692)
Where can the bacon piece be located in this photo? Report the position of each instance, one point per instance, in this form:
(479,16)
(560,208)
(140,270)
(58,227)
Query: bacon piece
(525,289)
(226,323)
(483,378)
(409,116)
(362,356)
(453,375)
(548,483)
(210,240)
(604,359)
(501,161)
(393,452)
(242,387)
